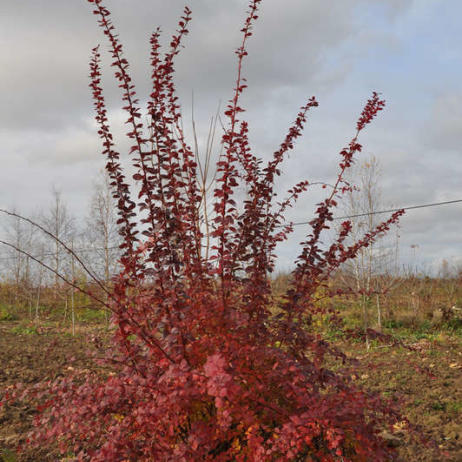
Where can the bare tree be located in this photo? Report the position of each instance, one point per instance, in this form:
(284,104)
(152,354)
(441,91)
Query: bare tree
(375,270)
(17,266)
(60,224)
(101,229)
(38,277)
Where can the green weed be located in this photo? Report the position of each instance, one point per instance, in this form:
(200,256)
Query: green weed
(454,407)
(7,455)
(91,315)
(438,406)
(7,313)
(393,324)
(24,330)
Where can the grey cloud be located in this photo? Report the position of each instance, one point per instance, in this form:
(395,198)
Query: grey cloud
(300,48)
(445,124)
(46,45)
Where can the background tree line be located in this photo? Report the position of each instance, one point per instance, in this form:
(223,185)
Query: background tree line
(377,289)
(26,284)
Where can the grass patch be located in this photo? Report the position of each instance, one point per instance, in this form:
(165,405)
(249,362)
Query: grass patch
(455,407)
(8,313)
(438,406)
(6,455)
(94,316)
(454,326)
(24,330)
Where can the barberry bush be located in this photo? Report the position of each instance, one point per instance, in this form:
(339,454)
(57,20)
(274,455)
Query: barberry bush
(205,364)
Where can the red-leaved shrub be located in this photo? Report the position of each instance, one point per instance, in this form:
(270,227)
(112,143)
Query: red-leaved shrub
(205,364)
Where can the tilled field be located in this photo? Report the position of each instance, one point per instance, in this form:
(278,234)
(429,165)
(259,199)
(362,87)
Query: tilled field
(29,357)
(428,379)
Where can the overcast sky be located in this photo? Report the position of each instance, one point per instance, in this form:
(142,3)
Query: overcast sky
(339,51)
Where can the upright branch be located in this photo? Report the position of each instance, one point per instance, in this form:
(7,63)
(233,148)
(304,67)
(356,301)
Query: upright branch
(121,190)
(225,207)
(313,261)
(175,166)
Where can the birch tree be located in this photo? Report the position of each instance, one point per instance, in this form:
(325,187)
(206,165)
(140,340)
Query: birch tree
(375,269)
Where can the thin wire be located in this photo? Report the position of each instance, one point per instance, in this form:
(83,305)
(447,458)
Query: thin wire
(411,207)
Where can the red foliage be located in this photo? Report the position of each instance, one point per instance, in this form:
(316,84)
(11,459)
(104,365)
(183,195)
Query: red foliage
(203,370)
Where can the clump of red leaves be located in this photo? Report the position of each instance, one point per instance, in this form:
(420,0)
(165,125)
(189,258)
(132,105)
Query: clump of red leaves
(202,368)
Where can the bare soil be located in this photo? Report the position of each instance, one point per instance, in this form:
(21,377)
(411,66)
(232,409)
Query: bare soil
(427,380)
(29,355)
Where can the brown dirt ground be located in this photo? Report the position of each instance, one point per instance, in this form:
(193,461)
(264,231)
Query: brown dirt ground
(427,383)
(29,357)
(427,379)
